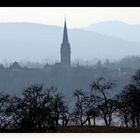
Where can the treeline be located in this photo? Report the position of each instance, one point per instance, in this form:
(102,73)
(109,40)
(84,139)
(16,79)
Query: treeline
(44,110)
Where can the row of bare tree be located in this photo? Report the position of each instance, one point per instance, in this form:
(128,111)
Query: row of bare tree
(35,110)
(39,109)
(99,103)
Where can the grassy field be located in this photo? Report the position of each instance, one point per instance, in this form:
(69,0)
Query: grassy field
(78,129)
(97,129)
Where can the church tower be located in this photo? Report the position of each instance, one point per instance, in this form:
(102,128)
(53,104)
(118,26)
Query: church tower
(65,48)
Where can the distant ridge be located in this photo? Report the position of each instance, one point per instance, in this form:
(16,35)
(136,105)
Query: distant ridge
(37,42)
(119,29)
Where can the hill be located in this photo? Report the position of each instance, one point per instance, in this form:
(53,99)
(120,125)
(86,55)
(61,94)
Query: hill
(37,42)
(128,32)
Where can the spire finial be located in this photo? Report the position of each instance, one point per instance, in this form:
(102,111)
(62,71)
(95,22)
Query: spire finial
(65,17)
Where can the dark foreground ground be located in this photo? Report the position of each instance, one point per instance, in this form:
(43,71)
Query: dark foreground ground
(81,129)
(97,129)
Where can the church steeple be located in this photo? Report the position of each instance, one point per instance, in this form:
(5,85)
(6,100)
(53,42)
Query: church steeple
(65,48)
(65,34)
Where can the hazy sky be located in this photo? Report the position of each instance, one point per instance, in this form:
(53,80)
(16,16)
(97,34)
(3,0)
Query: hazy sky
(76,17)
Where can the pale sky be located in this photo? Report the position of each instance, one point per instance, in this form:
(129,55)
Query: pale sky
(76,16)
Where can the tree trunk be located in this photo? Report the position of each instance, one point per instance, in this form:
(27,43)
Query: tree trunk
(57,118)
(133,120)
(105,119)
(63,123)
(94,120)
(138,121)
(66,121)
(81,121)
(88,119)
(125,120)
(110,119)
(81,115)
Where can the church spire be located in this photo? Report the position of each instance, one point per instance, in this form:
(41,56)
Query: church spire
(65,34)
(65,48)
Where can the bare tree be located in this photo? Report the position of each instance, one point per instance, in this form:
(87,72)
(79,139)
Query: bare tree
(32,110)
(59,108)
(38,109)
(4,118)
(123,109)
(80,106)
(101,86)
(130,99)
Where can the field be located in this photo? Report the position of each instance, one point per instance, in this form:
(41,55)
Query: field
(78,129)
(97,129)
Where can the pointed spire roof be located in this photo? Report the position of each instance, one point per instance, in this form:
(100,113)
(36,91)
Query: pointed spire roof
(65,34)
